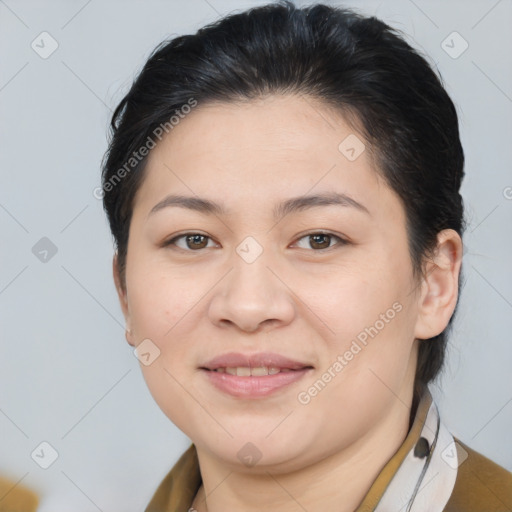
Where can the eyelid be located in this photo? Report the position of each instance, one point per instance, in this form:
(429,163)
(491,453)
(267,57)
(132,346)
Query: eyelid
(341,240)
(172,241)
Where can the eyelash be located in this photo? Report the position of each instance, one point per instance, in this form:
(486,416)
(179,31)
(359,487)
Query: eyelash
(340,241)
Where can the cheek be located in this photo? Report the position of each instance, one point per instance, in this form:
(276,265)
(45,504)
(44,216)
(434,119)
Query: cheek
(351,304)
(162,310)
(371,318)
(159,302)
(170,389)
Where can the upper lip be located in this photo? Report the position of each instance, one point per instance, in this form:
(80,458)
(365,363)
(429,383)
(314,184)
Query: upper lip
(267,359)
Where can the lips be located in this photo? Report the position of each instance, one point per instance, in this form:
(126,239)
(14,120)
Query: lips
(259,360)
(253,376)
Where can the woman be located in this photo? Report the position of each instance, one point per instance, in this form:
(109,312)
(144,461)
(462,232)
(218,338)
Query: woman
(283,190)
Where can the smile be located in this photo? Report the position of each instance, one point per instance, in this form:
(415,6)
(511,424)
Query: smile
(245,371)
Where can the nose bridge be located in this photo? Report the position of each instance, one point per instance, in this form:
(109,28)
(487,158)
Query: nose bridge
(251,294)
(250,261)
(250,285)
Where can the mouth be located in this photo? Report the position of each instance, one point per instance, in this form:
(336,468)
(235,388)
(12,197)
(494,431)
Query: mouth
(260,371)
(253,376)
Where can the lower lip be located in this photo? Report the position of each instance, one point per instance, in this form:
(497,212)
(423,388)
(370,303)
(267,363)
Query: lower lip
(254,387)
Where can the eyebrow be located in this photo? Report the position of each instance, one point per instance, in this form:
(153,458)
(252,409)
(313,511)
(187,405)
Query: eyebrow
(294,204)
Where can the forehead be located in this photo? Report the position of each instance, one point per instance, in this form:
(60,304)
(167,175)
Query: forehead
(261,149)
(277,124)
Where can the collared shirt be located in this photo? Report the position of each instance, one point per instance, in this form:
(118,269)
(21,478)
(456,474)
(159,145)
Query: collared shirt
(431,472)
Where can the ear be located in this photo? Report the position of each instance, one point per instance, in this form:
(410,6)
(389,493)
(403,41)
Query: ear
(439,287)
(123,299)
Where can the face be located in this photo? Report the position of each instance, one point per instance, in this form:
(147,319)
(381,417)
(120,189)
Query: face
(254,232)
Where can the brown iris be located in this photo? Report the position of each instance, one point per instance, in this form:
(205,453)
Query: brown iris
(196,241)
(319,241)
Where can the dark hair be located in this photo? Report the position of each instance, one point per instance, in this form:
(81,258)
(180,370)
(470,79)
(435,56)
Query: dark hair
(356,64)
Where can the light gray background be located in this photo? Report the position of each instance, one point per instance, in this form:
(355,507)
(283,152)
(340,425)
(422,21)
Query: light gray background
(67,376)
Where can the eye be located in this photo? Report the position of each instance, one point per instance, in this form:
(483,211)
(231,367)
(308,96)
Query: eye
(319,241)
(196,241)
(190,241)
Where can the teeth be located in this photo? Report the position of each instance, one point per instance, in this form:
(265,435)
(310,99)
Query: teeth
(243,371)
(259,371)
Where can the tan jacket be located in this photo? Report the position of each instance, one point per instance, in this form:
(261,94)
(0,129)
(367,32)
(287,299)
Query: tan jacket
(480,484)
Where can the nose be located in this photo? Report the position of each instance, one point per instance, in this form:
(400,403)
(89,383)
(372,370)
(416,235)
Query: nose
(251,298)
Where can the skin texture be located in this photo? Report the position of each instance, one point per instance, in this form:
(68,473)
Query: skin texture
(306,304)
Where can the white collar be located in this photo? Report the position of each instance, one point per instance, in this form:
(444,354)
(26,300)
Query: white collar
(425,480)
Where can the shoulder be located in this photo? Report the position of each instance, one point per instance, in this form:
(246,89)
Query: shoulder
(178,488)
(481,485)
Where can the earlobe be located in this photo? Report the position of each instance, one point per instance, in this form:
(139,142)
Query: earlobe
(439,292)
(128,336)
